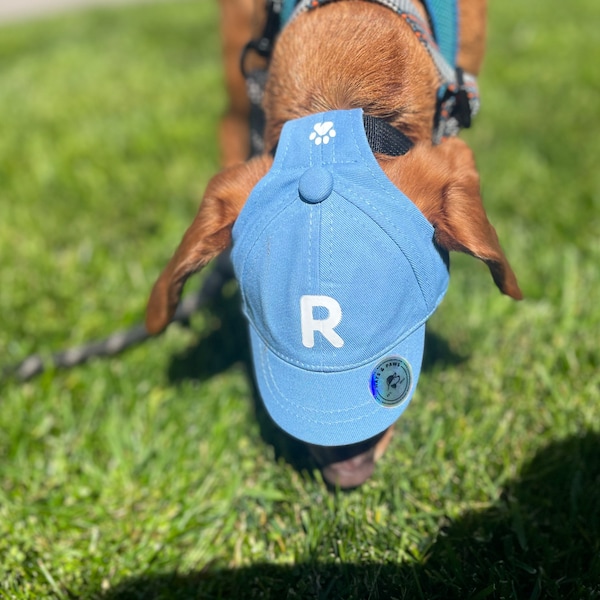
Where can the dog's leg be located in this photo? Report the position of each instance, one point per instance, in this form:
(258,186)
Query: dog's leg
(472,21)
(239,24)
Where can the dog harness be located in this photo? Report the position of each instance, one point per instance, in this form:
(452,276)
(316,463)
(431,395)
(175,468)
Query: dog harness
(457,97)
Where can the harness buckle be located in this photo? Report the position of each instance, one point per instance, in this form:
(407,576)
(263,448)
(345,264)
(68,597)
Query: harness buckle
(462,107)
(263,46)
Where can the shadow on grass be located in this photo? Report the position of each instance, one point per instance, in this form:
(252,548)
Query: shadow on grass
(541,539)
(229,345)
(220,349)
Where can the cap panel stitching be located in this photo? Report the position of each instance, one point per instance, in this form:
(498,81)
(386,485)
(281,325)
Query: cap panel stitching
(276,393)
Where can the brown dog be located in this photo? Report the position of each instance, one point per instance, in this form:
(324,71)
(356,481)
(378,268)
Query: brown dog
(345,54)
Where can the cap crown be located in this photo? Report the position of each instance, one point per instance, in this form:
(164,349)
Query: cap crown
(335,264)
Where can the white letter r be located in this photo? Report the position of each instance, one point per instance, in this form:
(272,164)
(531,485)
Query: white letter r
(324,326)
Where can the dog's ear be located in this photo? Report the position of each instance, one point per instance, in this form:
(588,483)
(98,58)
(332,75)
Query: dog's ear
(443,182)
(207,236)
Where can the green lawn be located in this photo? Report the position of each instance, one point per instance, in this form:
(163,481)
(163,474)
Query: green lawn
(153,474)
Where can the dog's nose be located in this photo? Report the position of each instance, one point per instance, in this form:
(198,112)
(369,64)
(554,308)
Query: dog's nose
(348,467)
(351,472)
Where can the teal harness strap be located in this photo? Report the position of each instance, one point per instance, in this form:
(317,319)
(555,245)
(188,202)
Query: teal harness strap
(443,15)
(287,9)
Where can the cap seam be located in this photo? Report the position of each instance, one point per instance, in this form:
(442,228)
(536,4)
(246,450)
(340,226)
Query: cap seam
(341,368)
(276,393)
(257,236)
(375,171)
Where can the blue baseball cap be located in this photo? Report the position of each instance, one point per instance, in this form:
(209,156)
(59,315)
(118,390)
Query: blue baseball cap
(338,272)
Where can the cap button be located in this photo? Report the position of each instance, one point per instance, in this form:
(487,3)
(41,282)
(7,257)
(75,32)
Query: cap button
(315,185)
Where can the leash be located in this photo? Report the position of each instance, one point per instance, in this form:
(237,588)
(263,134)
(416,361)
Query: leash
(121,340)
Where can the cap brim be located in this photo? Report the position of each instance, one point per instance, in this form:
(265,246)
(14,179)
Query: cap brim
(331,408)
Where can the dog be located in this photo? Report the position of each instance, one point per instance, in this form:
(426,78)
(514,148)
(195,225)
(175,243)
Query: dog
(333,58)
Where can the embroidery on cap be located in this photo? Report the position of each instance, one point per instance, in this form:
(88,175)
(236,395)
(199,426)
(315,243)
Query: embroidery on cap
(322,133)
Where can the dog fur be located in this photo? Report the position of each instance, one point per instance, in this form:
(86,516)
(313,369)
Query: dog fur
(345,54)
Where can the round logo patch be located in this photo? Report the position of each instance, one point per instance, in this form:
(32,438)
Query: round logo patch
(391,381)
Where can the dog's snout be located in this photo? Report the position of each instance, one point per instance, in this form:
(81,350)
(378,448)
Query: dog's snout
(348,467)
(350,473)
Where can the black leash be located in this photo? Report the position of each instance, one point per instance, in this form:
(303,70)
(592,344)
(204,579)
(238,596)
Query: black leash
(121,340)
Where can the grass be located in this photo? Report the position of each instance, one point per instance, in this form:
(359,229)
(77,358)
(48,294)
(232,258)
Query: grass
(155,474)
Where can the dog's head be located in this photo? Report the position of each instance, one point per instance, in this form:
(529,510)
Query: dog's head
(349,55)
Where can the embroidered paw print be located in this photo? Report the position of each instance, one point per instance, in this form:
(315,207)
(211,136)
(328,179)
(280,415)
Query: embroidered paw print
(322,133)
